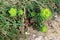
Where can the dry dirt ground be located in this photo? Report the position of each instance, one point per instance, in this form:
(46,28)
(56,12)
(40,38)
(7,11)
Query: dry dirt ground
(53,32)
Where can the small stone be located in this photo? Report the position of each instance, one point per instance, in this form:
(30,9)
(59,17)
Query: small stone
(27,33)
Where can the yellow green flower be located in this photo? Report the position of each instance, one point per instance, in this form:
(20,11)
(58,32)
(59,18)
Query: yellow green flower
(20,12)
(13,12)
(43,28)
(45,13)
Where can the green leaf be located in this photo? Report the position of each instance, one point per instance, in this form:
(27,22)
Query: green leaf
(33,14)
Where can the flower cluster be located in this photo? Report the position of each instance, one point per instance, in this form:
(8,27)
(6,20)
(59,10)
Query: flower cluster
(13,12)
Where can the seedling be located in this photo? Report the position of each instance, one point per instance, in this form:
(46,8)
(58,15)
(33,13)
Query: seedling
(13,12)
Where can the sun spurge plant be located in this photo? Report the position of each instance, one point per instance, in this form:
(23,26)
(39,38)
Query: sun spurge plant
(43,28)
(33,14)
(45,13)
(20,12)
(13,12)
